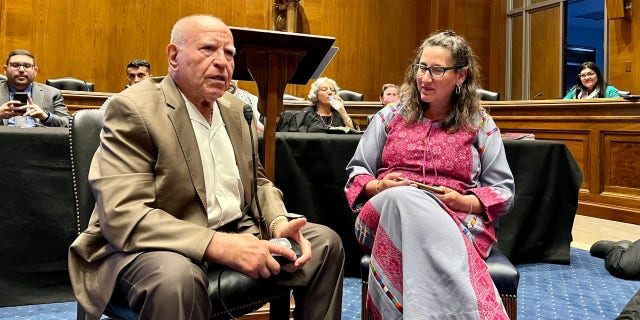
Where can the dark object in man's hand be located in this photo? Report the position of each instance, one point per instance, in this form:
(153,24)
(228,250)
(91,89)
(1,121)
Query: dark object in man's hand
(288,243)
(23,97)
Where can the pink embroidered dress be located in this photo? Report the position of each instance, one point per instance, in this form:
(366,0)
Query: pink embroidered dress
(427,261)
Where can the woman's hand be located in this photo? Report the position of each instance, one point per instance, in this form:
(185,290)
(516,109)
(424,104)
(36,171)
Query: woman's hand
(374,187)
(455,201)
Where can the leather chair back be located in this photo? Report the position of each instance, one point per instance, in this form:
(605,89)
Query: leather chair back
(487,95)
(84,138)
(348,95)
(70,83)
(240,293)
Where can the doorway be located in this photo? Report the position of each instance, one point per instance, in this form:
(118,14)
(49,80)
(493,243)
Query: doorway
(585,39)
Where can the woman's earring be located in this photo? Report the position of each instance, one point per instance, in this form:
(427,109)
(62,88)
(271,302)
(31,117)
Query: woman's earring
(458,89)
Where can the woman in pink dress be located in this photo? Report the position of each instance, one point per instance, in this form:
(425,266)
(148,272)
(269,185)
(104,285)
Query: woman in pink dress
(428,249)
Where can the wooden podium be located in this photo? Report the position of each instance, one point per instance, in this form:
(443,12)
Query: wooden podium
(272,59)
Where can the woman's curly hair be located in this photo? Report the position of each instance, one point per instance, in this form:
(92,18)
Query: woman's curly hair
(466,107)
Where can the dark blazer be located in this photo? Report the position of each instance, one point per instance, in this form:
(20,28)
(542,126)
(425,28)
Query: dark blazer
(46,97)
(148,181)
(308,120)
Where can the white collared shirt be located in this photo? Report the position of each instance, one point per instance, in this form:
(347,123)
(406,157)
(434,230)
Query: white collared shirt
(221,176)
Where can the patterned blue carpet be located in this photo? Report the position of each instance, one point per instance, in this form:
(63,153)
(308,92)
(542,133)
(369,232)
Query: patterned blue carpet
(582,290)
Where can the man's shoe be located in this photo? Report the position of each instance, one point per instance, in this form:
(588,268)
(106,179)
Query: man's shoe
(600,248)
(624,244)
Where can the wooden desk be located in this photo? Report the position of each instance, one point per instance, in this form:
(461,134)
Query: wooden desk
(359,110)
(604,137)
(77,100)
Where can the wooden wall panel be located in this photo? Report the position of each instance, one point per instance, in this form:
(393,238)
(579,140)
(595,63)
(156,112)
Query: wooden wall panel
(545,53)
(467,18)
(517,50)
(94,40)
(623,47)
(621,161)
(495,72)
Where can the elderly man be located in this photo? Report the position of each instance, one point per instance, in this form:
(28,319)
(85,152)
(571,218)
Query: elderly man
(172,180)
(44,104)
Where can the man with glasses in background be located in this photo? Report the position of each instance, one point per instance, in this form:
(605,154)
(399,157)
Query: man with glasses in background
(26,103)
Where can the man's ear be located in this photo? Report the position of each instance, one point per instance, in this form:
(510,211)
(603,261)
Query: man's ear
(172,55)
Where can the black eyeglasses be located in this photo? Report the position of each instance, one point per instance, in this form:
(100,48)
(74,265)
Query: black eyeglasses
(420,69)
(17,65)
(587,75)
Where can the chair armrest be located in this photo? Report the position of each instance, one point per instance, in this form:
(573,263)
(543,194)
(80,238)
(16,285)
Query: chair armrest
(504,274)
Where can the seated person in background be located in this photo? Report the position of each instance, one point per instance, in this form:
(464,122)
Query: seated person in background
(249,98)
(591,84)
(137,70)
(327,109)
(427,249)
(172,180)
(389,93)
(45,104)
(622,260)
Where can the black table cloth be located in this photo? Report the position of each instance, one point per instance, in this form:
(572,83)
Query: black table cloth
(39,221)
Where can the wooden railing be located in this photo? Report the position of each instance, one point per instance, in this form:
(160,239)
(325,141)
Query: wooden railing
(77,100)
(359,110)
(602,134)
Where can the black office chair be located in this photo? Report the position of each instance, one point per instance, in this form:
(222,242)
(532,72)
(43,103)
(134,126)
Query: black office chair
(487,95)
(503,273)
(348,95)
(241,293)
(287,96)
(370,118)
(70,83)
(287,121)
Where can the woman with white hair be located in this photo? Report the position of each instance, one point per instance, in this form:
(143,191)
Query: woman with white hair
(327,109)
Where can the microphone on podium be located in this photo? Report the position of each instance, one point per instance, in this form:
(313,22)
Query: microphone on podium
(264,234)
(539,94)
(248,115)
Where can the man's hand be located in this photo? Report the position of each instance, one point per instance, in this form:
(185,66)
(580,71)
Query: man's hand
(12,108)
(35,111)
(291,230)
(245,253)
